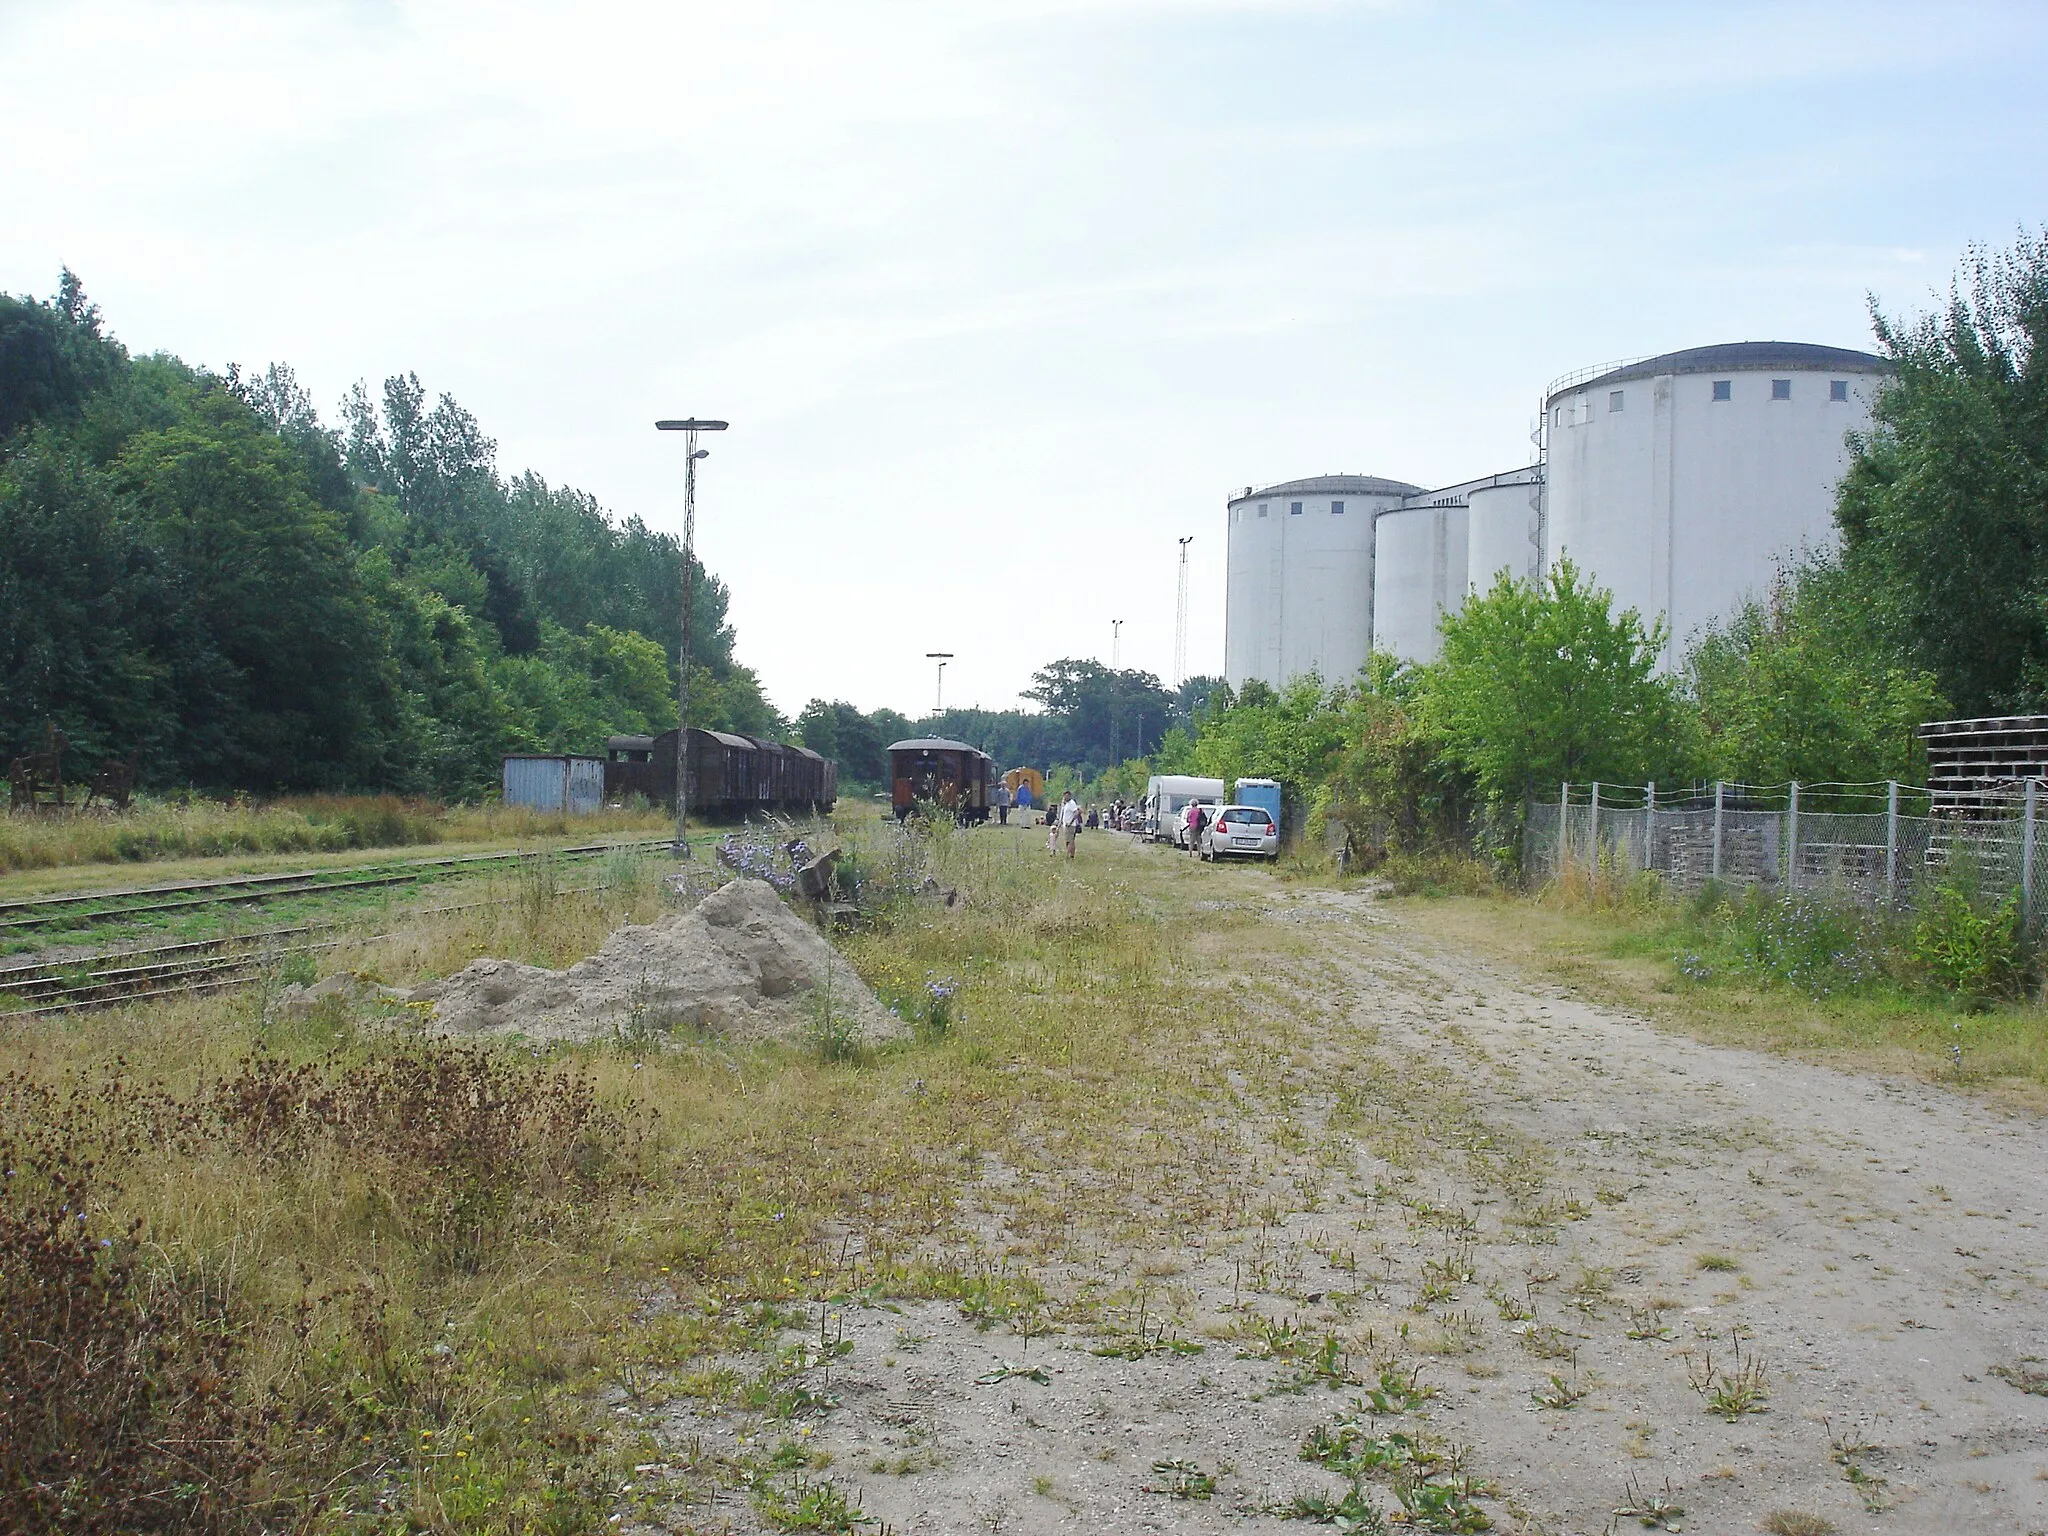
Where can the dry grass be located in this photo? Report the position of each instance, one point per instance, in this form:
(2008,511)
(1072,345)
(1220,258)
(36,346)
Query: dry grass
(424,1337)
(158,830)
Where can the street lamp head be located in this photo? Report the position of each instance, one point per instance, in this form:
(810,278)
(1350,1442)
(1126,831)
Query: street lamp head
(701,453)
(938,655)
(691,425)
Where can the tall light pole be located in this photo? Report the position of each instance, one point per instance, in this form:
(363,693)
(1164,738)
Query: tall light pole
(1180,618)
(1116,643)
(939,698)
(689,428)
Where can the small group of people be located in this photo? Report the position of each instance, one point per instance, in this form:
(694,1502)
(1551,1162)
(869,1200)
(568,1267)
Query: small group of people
(1065,822)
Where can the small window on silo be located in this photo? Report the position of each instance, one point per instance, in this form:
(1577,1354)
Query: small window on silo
(1294,509)
(1724,389)
(1838,391)
(1781,389)
(1262,509)
(1614,398)
(1336,509)
(1557,416)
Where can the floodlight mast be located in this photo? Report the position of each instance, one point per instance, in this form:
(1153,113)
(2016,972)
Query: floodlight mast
(689,427)
(939,698)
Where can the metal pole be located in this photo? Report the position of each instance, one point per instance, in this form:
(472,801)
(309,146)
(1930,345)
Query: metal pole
(1650,826)
(1595,866)
(683,667)
(1792,840)
(1891,841)
(691,454)
(1720,800)
(2027,858)
(1564,828)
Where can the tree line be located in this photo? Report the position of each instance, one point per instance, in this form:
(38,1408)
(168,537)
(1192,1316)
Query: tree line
(1090,718)
(197,571)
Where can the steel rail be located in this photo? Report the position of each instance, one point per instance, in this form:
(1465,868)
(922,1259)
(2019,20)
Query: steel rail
(273,887)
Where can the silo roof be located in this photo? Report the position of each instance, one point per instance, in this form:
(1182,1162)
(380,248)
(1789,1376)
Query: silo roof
(1323,485)
(1734,357)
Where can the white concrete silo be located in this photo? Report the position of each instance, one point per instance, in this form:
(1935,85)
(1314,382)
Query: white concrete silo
(1418,574)
(1683,481)
(1504,520)
(1300,577)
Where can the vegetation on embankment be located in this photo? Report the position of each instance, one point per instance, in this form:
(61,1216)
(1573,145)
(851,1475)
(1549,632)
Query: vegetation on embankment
(1950,989)
(155,830)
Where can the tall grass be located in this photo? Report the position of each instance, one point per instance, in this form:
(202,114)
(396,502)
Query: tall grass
(162,829)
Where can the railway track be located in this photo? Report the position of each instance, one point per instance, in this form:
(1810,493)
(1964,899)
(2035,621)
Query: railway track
(184,969)
(91,908)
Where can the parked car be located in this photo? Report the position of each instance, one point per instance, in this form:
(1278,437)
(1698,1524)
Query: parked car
(1241,831)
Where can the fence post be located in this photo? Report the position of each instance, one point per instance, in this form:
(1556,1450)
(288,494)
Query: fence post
(1650,826)
(1720,797)
(1891,841)
(1564,829)
(1792,841)
(2027,859)
(1595,866)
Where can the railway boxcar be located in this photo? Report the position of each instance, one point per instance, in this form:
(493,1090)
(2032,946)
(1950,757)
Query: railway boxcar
(724,771)
(931,770)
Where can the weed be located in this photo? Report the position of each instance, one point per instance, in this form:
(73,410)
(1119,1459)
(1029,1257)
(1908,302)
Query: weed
(1351,1513)
(2027,1373)
(1558,1393)
(803,1504)
(1648,1323)
(1715,1263)
(1442,1506)
(1011,1371)
(1398,1391)
(1654,1511)
(1731,1390)
(1966,945)
(1797,1522)
(1180,1478)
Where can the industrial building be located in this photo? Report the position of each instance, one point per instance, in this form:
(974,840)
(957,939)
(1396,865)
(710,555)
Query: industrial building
(1680,482)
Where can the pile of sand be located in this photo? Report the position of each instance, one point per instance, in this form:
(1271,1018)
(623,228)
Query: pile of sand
(739,964)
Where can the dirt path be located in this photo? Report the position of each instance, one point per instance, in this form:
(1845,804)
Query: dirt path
(1570,1229)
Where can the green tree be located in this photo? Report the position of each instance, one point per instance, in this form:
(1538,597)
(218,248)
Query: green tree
(1540,681)
(1944,510)
(1804,684)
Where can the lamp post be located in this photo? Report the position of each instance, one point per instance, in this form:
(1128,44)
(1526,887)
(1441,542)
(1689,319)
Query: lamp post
(939,697)
(1180,617)
(689,428)
(1116,641)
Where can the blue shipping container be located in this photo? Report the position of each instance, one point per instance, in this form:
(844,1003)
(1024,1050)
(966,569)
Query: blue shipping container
(1264,793)
(555,783)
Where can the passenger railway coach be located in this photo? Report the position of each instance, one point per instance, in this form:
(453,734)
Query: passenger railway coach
(930,770)
(730,774)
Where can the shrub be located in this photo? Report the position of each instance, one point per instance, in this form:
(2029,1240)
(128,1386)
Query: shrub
(117,1403)
(1968,947)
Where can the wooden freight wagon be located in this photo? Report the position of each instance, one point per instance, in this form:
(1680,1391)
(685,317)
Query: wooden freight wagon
(930,770)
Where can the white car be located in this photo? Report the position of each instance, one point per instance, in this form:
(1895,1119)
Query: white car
(1241,831)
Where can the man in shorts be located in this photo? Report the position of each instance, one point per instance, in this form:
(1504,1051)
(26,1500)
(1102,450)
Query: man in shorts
(1070,821)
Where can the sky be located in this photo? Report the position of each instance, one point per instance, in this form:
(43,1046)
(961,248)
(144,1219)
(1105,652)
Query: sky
(1001,300)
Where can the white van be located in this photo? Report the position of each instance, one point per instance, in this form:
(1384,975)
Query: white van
(1167,797)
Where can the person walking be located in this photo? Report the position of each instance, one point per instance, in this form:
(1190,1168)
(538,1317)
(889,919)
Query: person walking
(1198,817)
(1052,829)
(1002,803)
(1070,821)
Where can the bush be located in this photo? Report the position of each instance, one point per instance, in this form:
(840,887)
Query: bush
(1967,947)
(117,1403)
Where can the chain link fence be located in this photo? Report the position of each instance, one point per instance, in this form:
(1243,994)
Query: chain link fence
(1873,844)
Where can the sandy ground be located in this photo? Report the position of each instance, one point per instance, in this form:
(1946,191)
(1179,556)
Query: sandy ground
(1878,1248)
